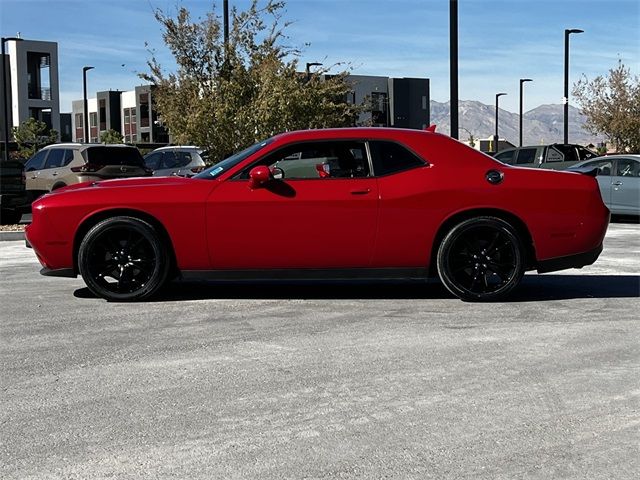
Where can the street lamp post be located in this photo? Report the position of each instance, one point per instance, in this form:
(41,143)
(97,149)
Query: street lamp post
(522,81)
(453,66)
(565,99)
(496,138)
(4,97)
(85,106)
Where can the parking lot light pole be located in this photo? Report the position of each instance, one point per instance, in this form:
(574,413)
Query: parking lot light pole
(565,99)
(496,138)
(85,106)
(522,81)
(308,66)
(5,100)
(453,67)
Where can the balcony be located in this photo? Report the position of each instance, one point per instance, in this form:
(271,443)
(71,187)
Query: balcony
(40,94)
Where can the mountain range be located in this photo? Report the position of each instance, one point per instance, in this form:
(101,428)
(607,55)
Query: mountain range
(543,124)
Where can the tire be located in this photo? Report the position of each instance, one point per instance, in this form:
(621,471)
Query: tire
(123,259)
(481,259)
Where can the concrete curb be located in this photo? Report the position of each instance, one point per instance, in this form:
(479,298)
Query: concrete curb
(11,236)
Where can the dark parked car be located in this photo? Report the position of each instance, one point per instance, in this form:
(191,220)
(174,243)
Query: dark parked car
(12,192)
(555,157)
(365,203)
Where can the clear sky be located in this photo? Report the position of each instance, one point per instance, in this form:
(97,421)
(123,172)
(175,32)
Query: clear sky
(500,40)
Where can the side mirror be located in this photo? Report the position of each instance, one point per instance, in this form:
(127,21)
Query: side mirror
(258,176)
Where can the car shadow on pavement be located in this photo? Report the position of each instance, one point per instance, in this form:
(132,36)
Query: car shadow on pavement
(534,288)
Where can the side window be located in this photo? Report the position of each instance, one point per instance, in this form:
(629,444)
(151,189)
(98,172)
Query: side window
(55,158)
(390,157)
(627,168)
(554,155)
(506,157)
(314,160)
(604,167)
(153,160)
(68,157)
(569,153)
(36,162)
(169,159)
(526,156)
(585,153)
(184,158)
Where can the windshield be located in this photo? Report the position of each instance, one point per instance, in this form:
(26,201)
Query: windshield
(230,162)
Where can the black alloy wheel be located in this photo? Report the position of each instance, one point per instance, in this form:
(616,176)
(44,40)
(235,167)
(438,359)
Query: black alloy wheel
(481,259)
(123,259)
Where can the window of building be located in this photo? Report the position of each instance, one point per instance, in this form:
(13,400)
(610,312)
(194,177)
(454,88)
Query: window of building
(93,119)
(102,110)
(126,116)
(144,109)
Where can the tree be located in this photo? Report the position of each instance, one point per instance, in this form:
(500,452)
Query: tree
(111,136)
(32,135)
(226,97)
(612,107)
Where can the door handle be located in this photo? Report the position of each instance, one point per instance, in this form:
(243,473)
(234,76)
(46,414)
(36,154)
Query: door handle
(34,177)
(54,174)
(360,192)
(617,184)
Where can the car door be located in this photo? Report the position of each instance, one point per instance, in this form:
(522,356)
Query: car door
(320,217)
(625,190)
(52,168)
(605,169)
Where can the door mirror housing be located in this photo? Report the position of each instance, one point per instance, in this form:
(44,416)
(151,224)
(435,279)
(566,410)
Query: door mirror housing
(258,176)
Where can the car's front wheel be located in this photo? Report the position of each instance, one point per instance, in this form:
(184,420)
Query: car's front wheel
(481,259)
(123,259)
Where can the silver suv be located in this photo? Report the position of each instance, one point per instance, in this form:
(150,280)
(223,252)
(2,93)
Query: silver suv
(184,161)
(64,164)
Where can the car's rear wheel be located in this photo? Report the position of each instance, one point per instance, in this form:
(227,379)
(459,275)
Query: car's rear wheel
(123,259)
(481,259)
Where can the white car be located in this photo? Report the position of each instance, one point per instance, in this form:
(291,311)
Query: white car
(619,180)
(183,161)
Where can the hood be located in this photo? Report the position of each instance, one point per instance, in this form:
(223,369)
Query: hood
(127,182)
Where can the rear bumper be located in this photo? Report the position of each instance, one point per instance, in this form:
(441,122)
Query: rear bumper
(571,261)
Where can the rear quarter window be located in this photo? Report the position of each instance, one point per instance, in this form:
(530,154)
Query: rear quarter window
(390,157)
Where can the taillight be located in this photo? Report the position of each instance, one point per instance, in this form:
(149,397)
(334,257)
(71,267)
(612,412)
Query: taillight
(86,168)
(197,169)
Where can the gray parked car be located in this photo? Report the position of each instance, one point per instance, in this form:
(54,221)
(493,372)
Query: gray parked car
(184,161)
(619,181)
(556,156)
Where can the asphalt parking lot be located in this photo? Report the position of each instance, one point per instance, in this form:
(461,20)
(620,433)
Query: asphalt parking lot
(273,381)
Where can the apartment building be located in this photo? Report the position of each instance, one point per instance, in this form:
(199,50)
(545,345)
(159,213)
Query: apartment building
(131,113)
(393,102)
(32,83)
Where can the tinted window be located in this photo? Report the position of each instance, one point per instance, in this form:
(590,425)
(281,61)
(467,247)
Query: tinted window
(36,162)
(585,153)
(173,159)
(68,157)
(526,156)
(506,157)
(569,152)
(113,156)
(55,158)
(554,155)
(627,167)
(152,160)
(389,157)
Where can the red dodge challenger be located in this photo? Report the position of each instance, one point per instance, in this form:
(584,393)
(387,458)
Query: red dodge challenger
(347,203)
